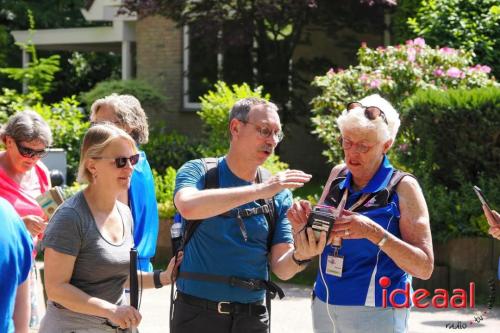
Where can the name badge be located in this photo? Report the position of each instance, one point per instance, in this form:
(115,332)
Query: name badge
(334,265)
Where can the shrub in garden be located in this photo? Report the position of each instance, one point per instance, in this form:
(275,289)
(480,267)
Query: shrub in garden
(144,92)
(164,189)
(215,107)
(396,73)
(169,149)
(453,144)
(65,119)
(68,125)
(465,24)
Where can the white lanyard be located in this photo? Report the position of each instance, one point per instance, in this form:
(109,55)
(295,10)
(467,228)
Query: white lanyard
(337,241)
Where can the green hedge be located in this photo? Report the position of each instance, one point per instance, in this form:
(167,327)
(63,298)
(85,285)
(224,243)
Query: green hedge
(144,92)
(454,143)
(166,149)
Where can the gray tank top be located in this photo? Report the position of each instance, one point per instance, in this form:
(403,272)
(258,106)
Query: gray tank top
(101,268)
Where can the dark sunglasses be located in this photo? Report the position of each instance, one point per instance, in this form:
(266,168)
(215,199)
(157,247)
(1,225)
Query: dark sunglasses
(29,152)
(371,112)
(121,162)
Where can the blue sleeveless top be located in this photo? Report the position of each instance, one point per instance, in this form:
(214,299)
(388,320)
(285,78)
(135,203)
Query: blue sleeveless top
(364,262)
(142,202)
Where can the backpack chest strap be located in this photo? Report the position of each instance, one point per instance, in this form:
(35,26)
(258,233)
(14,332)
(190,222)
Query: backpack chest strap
(247,212)
(240,214)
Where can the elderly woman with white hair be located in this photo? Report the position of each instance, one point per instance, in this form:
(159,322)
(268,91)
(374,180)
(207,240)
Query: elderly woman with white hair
(380,239)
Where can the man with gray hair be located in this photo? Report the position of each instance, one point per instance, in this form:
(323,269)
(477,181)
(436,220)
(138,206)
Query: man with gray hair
(236,227)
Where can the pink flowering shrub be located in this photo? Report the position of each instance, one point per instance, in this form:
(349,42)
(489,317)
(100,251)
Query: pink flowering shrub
(394,72)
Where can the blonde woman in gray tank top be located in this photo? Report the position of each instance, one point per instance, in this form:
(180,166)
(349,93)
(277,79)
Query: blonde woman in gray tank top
(88,240)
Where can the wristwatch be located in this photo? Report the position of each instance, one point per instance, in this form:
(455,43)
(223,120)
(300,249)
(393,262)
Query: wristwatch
(383,240)
(300,262)
(156,278)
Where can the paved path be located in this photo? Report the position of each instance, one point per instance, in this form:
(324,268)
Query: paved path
(293,314)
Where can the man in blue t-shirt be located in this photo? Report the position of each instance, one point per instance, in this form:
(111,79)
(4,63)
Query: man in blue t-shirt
(225,252)
(15,263)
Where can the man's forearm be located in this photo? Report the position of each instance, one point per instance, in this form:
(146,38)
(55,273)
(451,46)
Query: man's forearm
(195,205)
(282,263)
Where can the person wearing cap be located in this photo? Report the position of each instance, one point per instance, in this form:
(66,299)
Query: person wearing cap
(381,237)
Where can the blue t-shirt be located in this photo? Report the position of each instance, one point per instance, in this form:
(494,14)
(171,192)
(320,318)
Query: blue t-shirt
(142,201)
(16,246)
(218,247)
(364,262)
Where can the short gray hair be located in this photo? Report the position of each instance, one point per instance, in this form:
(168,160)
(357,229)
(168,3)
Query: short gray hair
(243,106)
(356,118)
(129,112)
(27,126)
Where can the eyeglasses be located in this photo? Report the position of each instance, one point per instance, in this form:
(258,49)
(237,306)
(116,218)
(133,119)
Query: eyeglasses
(348,144)
(103,122)
(371,112)
(121,162)
(29,152)
(266,132)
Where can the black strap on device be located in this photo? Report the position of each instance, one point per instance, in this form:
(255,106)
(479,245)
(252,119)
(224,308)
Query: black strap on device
(134,285)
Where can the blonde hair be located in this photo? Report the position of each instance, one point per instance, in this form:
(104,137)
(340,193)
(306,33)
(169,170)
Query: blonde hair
(129,112)
(95,141)
(356,118)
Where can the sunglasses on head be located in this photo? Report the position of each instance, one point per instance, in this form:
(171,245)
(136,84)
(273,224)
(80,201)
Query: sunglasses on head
(29,152)
(371,112)
(121,162)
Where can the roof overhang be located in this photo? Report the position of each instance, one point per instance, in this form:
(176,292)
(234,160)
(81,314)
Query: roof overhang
(80,39)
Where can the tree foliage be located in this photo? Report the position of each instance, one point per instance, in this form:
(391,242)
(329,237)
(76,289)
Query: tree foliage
(39,73)
(64,117)
(80,71)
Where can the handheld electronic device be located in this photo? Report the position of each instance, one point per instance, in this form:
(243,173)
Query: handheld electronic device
(483,200)
(321,219)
